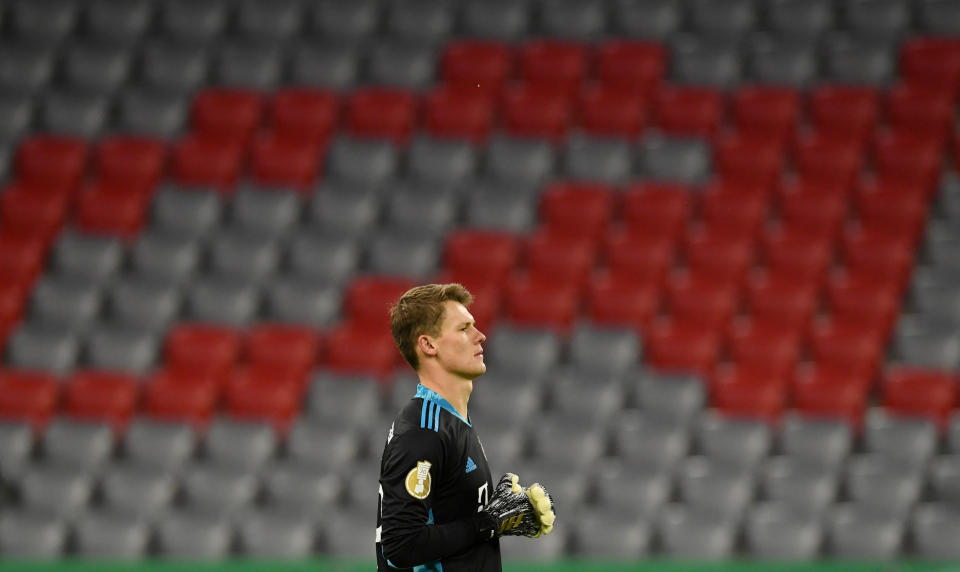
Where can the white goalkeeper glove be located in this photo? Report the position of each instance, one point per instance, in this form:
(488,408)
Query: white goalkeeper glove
(517,511)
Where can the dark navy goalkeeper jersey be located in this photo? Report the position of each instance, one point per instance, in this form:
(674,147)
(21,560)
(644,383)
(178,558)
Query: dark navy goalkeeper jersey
(434,479)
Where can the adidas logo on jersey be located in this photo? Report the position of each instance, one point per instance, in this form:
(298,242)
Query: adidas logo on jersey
(470,464)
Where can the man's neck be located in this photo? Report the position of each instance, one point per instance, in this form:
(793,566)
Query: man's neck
(454,389)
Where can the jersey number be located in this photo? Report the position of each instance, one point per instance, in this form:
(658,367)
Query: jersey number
(483,497)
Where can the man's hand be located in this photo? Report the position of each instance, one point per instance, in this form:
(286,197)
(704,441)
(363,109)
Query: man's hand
(515,511)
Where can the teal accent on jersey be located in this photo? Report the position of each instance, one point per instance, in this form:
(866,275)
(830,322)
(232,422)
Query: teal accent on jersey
(431,395)
(429,566)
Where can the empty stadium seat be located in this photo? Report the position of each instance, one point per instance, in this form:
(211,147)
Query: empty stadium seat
(831,391)
(245,443)
(598,159)
(206,162)
(382,113)
(919,392)
(689,111)
(798,483)
(911,441)
(456,111)
(203,347)
(76,447)
(26,534)
(28,397)
(261,393)
(933,528)
(440,160)
(610,111)
(845,110)
(778,532)
(191,534)
(555,64)
(524,350)
(325,65)
(694,534)
(151,443)
(401,64)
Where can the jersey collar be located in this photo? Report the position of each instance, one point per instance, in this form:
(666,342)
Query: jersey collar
(432,395)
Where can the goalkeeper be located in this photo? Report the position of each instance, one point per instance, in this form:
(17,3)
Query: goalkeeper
(439,507)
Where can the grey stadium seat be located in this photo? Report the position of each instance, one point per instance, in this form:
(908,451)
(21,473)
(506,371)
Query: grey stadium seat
(244,256)
(941,240)
(674,159)
(186,211)
(344,209)
(646,440)
(440,161)
(325,65)
(351,537)
(165,257)
(420,20)
(361,483)
(778,532)
(192,20)
(935,528)
(107,535)
(298,485)
(189,534)
(426,210)
(800,19)
(303,300)
(47,20)
(71,112)
(778,61)
(265,210)
(170,66)
(96,67)
(402,64)
(939,17)
(345,20)
(927,340)
(673,396)
(884,485)
(936,293)
(55,489)
(218,489)
(16,447)
(351,401)
(526,352)
(165,445)
(247,65)
(81,445)
(323,257)
(693,534)
(713,486)
(487,404)
(143,303)
(269,19)
(26,67)
(578,393)
(546,549)
(222,300)
(604,350)
(725,18)
(612,534)
(573,19)
(594,159)
(528,162)
(945,478)
(819,441)
(653,19)
(323,441)
(397,253)
(26,535)
(805,486)
(858,61)
(879,18)
(276,534)
(739,442)
(83,256)
(953,433)
(578,441)
(243,444)
(855,532)
(497,206)
(119,20)
(496,19)
(640,491)
(145,111)
(16,116)
(912,441)
(65,303)
(127,349)
(361,161)
(702,61)
(45,348)
(138,490)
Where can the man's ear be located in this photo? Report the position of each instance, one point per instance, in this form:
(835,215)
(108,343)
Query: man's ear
(426,345)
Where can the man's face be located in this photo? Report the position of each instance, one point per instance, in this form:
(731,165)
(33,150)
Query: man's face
(459,349)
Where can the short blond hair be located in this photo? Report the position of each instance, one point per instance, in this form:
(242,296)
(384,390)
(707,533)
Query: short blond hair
(421,311)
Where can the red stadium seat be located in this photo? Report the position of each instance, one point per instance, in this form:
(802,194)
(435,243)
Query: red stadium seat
(677,345)
(781,298)
(763,344)
(619,299)
(227,113)
(54,163)
(205,162)
(828,392)
(304,114)
(632,65)
(289,163)
(102,396)
(359,349)
(580,210)
(906,156)
(716,252)
(482,253)
(695,298)
(28,211)
(747,392)
(367,300)
(22,256)
(261,392)
(814,207)
(459,112)
(657,208)
(182,394)
(382,113)
(532,110)
(921,110)
(892,207)
(863,300)
(931,62)
(284,347)
(689,111)
(766,111)
(109,211)
(203,348)
(28,396)
(744,159)
(790,250)
(639,256)
(608,111)
(538,301)
(477,64)
(846,111)
(919,392)
(560,258)
(822,158)
(487,291)
(885,257)
(131,161)
(13,297)
(847,345)
(735,208)
(558,65)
